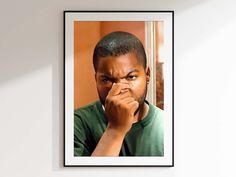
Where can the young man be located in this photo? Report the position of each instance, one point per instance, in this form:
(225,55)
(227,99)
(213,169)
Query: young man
(122,122)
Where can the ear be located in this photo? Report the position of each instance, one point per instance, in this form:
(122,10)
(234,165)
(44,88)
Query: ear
(147,74)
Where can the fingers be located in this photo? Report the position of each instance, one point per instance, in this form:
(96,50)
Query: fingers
(128,100)
(118,88)
(123,95)
(130,104)
(120,95)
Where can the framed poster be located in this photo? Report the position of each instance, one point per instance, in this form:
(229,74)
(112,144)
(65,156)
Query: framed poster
(119,81)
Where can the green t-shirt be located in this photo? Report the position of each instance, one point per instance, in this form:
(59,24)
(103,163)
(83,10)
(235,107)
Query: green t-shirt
(145,137)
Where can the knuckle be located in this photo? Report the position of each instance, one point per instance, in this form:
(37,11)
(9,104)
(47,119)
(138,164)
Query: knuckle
(132,99)
(119,104)
(108,100)
(112,102)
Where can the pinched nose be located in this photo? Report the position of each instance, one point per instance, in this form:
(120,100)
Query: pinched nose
(122,81)
(124,86)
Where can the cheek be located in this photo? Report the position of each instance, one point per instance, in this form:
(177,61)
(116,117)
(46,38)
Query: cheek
(103,91)
(138,87)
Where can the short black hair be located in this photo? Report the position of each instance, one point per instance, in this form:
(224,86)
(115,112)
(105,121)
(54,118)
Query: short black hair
(119,43)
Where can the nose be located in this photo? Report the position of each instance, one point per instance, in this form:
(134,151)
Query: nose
(125,84)
(122,81)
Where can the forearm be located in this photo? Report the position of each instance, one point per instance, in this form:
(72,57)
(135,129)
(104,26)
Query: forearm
(109,144)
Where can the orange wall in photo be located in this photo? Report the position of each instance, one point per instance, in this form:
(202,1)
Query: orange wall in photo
(86,35)
(136,28)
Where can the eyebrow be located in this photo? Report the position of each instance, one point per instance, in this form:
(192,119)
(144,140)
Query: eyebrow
(109,76)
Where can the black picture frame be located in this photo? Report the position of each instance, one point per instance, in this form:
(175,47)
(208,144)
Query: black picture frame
(72,163)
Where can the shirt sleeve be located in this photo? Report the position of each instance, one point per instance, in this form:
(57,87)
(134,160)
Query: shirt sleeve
(81,145)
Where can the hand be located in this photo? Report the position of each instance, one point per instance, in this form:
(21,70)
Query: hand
(120,107)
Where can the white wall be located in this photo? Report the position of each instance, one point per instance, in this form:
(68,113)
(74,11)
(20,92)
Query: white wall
(31,88)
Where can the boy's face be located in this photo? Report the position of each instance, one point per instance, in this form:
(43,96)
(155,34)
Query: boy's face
(124,69)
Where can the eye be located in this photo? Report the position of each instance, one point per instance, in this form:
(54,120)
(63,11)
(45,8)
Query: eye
(131,77)
(105,80)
